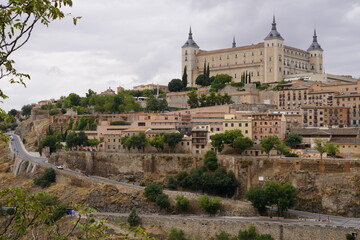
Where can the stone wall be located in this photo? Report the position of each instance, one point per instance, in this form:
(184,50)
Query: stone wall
(207,228)
(105,164)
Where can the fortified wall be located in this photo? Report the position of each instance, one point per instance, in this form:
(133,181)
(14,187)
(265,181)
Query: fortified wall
(207,228)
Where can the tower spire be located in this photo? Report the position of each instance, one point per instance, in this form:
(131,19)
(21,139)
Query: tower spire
(315,45)
(273,33)
(273,23)
(234,43)
(190,42)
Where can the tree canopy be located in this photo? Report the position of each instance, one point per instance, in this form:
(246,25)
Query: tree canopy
(293,139)
(18,19)
(270,142)
(175,85)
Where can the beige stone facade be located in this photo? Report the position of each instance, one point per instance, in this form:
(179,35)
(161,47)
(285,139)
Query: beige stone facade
(266,62)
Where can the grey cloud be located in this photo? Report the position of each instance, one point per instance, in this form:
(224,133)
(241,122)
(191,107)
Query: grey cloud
(126,43)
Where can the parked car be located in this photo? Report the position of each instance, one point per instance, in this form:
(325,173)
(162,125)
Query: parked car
(60,167)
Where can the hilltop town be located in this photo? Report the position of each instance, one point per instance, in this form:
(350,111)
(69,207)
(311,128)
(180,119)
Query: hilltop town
(239,119)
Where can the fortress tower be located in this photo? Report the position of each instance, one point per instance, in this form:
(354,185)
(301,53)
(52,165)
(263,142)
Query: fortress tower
(316,55)
(274,55)
(188,52)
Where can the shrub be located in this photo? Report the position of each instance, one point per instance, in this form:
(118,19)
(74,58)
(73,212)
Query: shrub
(152,191)
(210,206)
(171,183)
(45,180)
(176,234)
(211,160)
(222,236)
(162,200)
(58,213)
(117,123)
(133,219)
(291,155)
(182,203)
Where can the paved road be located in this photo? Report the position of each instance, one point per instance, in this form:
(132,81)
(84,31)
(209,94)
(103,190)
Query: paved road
(18,148)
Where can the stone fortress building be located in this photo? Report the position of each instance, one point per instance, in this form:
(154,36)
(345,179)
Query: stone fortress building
(266,62)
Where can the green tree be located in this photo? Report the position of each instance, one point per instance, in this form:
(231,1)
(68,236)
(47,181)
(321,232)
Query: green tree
(139,141)
(258,199)
(76,139)
(46,179)
(182,203)
(152,191)
(282,148)
(26,110)
(242,143)
(50,141)
(320,147)
(12,112)
(268,143)
(293,139)
(176,234)
(184,78)
(332,149)
(217,141)
(126,142)
(162,200)
(210,160)
(157,142)
(133,219)
(220,81)
(72,100)
(200,80)
(193,100)
(210,206)
(172,139)
(287,197)
(175,85)
(182,179)
(231,135)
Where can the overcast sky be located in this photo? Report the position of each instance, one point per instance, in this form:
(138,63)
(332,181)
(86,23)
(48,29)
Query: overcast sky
(127,42)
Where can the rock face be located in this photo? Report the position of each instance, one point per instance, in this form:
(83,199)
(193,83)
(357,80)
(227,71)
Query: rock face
(327,186)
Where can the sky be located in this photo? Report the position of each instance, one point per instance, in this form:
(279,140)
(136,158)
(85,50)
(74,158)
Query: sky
(128,43)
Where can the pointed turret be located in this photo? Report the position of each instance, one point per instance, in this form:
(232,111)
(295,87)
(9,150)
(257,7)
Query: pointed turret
(273,33)
(234,43)
(315,45)
(190,42)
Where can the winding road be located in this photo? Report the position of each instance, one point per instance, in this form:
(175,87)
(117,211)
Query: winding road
(305,218)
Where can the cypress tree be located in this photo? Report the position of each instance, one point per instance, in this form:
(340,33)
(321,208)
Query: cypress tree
(208,72)
(204,69)
(133,219)
(184,78)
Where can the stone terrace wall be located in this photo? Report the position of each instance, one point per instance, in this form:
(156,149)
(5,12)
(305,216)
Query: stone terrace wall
(207,228)
(105,164)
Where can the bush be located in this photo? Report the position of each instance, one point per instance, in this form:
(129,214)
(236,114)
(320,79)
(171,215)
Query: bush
(133,219)
(222,236)
(176,234)
(46,179)
(58,213)
(10,211)
(117,123)
(162,200)
(171,183)
(210,206)
(182,203)
(211,160)
(291,155)
(152,191)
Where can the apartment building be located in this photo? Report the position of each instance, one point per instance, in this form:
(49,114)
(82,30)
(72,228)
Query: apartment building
(266,124)
(325,116)
(238,121)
